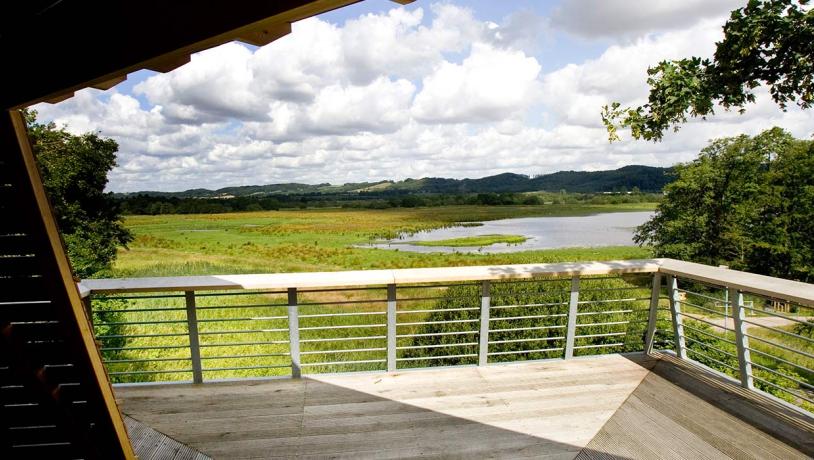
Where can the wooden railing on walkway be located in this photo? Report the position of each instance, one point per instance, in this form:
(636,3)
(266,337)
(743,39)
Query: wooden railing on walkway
(251,326)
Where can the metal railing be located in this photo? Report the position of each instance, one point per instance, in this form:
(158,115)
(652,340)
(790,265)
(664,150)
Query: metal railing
(248,326)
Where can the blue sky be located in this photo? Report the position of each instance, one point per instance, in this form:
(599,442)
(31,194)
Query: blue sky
(379,91)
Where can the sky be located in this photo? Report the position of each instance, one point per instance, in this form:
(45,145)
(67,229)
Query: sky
(375,91)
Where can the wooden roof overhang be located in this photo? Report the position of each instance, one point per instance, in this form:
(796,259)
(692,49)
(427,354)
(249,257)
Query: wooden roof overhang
(55,396)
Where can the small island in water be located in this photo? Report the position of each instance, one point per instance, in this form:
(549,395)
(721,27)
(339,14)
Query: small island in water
(476,240)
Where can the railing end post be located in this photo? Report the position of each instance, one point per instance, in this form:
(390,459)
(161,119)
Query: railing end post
(294,333)
(194,343)
(571,330)
(483,335)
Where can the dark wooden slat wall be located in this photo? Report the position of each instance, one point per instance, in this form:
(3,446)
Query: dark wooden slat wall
(50,397)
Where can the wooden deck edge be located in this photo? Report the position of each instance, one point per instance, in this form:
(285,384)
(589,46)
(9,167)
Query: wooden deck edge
(154,445)
(794,427)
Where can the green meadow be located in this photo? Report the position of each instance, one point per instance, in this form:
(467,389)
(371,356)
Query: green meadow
(324,240)
(245,334)
(250,331)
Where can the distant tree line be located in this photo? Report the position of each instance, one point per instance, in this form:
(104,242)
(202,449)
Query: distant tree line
(143,204)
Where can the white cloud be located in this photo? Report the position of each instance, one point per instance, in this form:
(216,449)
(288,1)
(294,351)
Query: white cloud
(625,18)
(490,85)
(407,93)
(576,92)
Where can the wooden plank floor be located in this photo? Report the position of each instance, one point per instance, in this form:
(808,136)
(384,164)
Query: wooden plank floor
(681,411)
(149,444)
(555,409)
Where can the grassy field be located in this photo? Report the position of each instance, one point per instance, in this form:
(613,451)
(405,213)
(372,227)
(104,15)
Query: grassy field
(323,240)
(286,241)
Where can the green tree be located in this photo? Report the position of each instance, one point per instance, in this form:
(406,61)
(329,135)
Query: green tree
(767,42)
(746,202)
(74,173)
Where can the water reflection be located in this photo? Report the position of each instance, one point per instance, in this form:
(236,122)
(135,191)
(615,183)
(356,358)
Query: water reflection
(607,229)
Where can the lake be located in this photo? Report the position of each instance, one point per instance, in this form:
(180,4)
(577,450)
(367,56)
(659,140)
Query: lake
(606,229)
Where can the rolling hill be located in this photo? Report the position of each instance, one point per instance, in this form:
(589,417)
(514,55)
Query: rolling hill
(644,178)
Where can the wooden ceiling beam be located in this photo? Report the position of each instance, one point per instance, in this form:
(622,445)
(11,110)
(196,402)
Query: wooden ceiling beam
(107,84)
(265,34)
(76,43)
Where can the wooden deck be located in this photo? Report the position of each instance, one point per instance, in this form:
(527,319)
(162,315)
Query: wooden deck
(605,407)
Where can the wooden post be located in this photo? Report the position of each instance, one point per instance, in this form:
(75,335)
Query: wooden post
(194,345)
(483,337)
(741,339)
(655,294)
(294,333)
(391,327)
(572,318)
(678,321)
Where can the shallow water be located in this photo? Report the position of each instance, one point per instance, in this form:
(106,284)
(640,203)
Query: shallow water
(607,229)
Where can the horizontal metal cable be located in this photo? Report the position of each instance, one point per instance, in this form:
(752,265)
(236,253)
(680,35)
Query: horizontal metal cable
(607,312)
(601,345)
(241,344)
(713,359)
(541,339)
(329,315)
(342,339)
(141,336)
(442,345)
(422,358)
(610,323)
(778,315)
(793,393)
(450,321)
(779,359)
(797,381)
(609,334)
(243,368)
(408,312)
(714,312)
(706,345)
(593,302)
(242,331)
(717,299)
(514,318)
(723,339)
(541,350)
(533,328)
(338,363)
(168,371)
(695,318)
(781,331)
(549,304)
(433,334)
(353,350)
(343,326)
(783,347)
(259,355)
(145,360)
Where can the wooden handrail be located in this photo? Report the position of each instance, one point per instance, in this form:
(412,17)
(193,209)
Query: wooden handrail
(795,291)
(363,277)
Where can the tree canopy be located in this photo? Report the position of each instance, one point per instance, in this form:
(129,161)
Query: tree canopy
(746,202)
(74,172)
(767,42)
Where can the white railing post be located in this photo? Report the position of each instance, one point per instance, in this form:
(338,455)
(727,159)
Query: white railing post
(572,318)
(391,327)
(678,320)
(483,336)
(741,339)
(194,344)
(653,316)
(294,333)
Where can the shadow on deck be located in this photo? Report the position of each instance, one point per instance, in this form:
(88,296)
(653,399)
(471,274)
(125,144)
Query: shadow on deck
(612,406)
